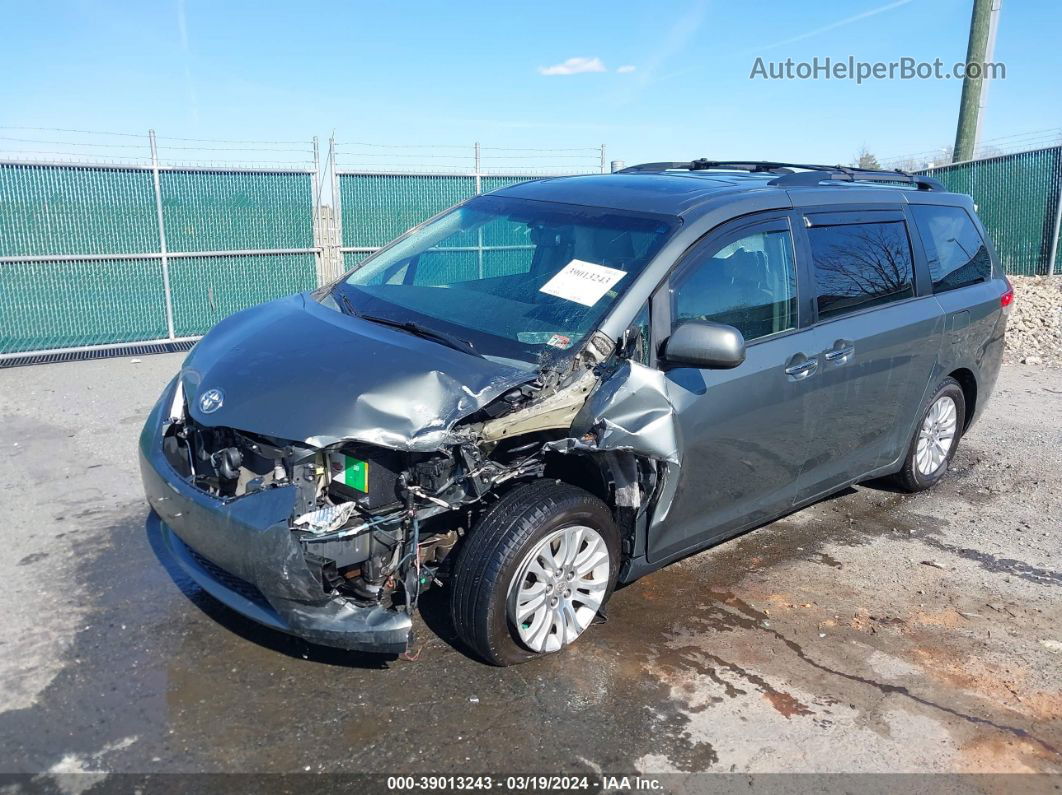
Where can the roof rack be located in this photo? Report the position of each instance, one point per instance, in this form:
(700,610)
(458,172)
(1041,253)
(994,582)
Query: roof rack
(845,174)
(753,166)
(808,175)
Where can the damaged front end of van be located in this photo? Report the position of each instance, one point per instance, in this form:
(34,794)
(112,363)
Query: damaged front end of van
(319,459)
(326,513)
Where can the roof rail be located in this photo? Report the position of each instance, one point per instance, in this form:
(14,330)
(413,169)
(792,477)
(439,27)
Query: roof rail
(844,174)
(753,166)
(807,175)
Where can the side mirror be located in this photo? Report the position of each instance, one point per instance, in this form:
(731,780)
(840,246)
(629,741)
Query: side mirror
(709,346)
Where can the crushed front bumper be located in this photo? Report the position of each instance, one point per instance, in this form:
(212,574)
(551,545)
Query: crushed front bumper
(244,554)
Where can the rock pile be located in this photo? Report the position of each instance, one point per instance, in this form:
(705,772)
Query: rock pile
(1034,331)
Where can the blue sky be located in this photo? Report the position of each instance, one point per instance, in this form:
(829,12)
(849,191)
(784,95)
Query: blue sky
(456,72)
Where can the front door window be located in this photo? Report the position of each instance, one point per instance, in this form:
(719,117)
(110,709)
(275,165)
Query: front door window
(749,283)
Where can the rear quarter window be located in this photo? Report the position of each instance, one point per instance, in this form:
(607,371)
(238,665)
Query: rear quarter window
(956,252)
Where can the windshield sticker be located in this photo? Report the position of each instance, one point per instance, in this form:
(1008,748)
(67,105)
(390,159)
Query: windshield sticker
(554,339)
(582,282)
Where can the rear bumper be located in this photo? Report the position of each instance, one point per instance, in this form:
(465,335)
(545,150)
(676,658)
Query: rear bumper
(243,553)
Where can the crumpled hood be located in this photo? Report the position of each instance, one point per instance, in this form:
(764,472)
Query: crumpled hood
(297,370)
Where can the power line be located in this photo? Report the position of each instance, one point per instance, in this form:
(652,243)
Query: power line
(70,143)
(228,148)
(79,132)
(521,149)
(1015,142)
(168,162)
(223,141)
(403,146)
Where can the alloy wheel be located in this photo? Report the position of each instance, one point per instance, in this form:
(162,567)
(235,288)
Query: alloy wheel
(559,587)
(936,436)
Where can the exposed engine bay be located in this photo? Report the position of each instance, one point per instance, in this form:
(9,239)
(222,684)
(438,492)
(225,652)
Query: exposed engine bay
(378,526)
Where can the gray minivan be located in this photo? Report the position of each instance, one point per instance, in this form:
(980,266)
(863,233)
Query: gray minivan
(567,384)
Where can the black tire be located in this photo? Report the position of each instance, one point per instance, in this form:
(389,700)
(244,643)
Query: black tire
(910,478)
(490,555)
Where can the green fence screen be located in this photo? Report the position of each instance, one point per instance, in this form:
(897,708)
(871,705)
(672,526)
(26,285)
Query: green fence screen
(80,251)
(58,304)
(376,208)
(234,210)
(51,210)
(208,289)
(72,211)
(1017,198)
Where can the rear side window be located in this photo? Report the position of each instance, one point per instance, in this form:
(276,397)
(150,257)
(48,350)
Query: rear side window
(749,284)
(860,265)
(957,254)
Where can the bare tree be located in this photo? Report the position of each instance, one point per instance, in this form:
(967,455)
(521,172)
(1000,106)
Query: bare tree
(864,261)
(866,159)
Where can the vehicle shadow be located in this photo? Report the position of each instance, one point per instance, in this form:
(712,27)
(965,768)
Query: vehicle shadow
(434,611)
(885,484)
(272,639)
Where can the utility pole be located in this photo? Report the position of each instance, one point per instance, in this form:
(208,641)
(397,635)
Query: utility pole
(979,50)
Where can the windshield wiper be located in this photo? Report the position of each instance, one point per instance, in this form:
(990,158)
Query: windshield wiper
(347,303)
(449,340)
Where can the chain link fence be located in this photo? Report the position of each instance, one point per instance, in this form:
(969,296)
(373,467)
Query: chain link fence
(145,239)
(378,202)
(95,255)
(376,208)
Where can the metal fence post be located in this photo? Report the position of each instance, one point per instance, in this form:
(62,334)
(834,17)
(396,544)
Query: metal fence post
(163,253)
(320,257)
(336,226)
(1053,251)
(478,172)
(479,230)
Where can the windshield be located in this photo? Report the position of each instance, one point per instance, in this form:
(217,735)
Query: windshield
(514,278)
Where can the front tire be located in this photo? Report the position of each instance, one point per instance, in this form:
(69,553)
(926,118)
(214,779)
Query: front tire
(935,439)
(534,571)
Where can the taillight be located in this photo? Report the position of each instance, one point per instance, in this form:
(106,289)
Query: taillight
(1007,298)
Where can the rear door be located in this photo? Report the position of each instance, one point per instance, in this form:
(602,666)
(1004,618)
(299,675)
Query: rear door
(744,431)
(878,330)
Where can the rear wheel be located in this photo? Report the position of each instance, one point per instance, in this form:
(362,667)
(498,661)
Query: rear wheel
(534,572)
(935,438)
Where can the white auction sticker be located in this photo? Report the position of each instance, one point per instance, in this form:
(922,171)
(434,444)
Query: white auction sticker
(582,282)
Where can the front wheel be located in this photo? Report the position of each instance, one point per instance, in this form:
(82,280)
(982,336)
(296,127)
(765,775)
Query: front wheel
(534,572)
(935,438)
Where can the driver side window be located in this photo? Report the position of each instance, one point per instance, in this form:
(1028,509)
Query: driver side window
(749,283)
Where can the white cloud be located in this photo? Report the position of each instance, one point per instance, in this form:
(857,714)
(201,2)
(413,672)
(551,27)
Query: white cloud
(573,66)
(626,69)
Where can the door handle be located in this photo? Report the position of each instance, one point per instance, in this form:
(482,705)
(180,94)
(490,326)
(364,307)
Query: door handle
(834,354)
(803,369)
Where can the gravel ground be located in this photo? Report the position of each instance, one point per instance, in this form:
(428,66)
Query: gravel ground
(871,632)
(1034,329)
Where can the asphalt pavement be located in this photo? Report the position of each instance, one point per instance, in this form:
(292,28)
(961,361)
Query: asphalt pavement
(871,632)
